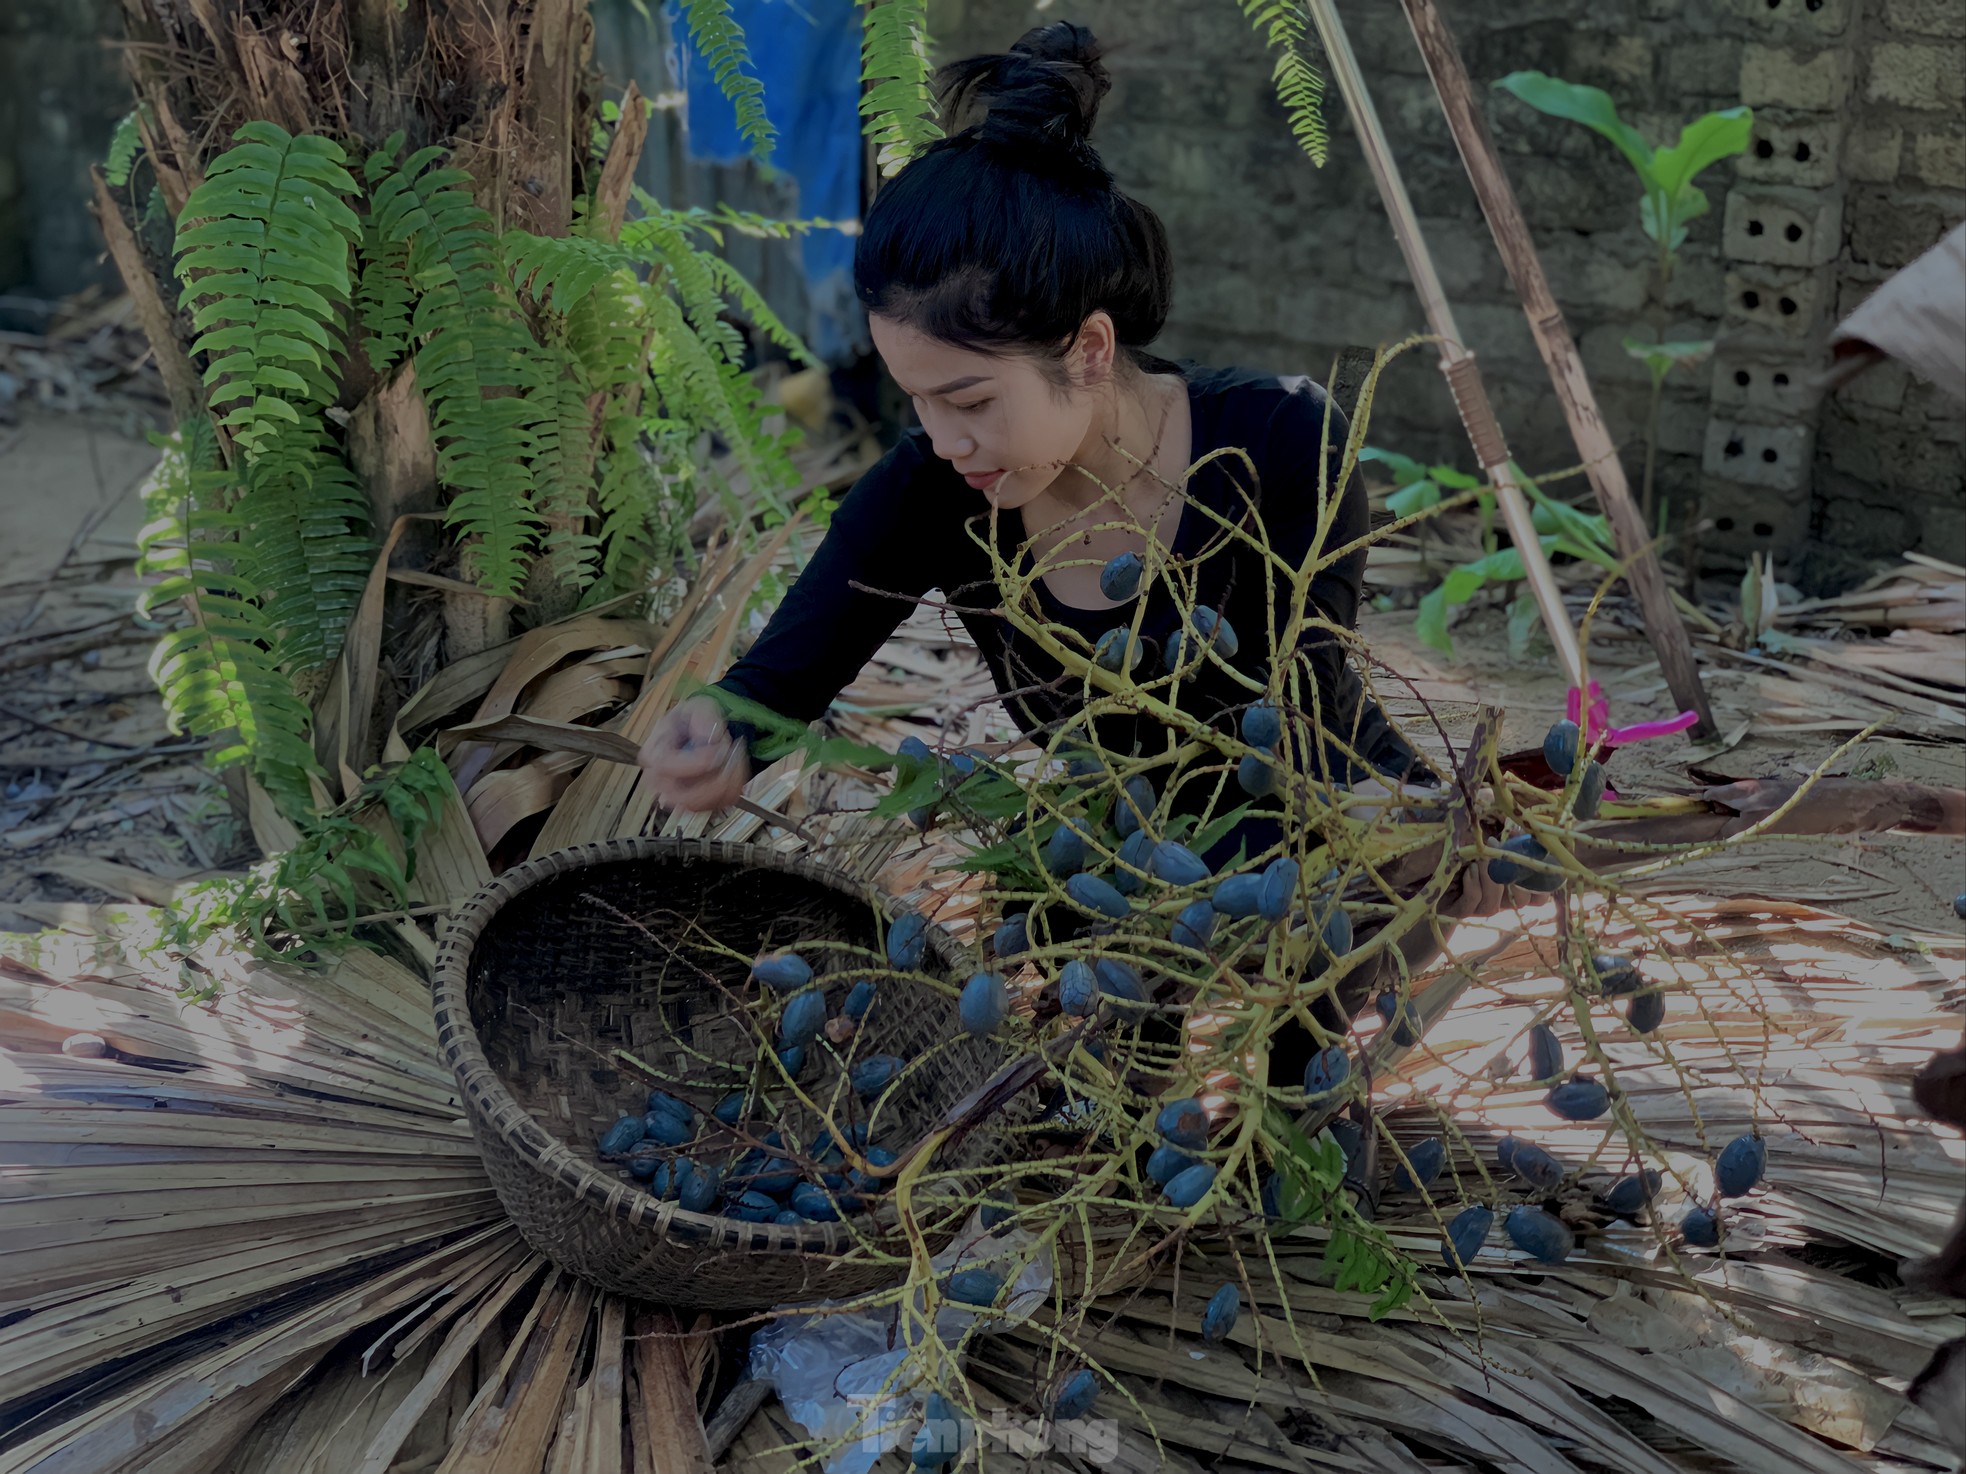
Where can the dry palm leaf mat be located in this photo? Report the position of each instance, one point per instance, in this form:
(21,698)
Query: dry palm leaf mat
(250,1233)
(247,1230)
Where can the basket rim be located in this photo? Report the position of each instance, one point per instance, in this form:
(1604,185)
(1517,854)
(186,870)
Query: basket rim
(521,1131)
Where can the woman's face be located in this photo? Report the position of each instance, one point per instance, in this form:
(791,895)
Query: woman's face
(997,420)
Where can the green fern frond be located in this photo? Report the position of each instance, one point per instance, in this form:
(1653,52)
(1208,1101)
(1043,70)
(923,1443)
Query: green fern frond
(383,296)
(699,387)
(303,522)
(123,146)
(719,40)
(752,304)
(560,270)
(263,249)
(477,366)
(1299,84)
(219,673)
(896,103)
(563,473)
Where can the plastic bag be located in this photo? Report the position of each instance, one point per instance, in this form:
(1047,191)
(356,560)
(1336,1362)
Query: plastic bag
(829,1369)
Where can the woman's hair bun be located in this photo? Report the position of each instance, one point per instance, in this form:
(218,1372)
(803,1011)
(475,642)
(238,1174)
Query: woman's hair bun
(1045,92)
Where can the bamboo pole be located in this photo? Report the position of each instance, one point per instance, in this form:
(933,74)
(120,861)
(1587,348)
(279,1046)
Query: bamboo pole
(1456,361)
(1559,350)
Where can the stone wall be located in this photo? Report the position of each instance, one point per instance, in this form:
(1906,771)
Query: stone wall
(62,89)
(1858,164)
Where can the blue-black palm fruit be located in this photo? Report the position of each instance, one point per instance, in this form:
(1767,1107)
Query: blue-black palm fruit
(973,1286)
(1119,980)
(1545,1053)
(1167,1162)
(1188,1188)
(662,1100)
(696,1192)
(794,1059)
(1535,1166)
(1078,988)
(1505,1153)
(1539,1234)
(1422,1165)
(1256,775)
(940,1438)
(1194,926)
(1119,580)
(1466,1234)
(1075,1398)
(1184,1123)
(859,1001)
(865,1181)
(1013,935)
(1064,852)
(786,972)
(1239,895)
(1590,790)
(1560,748)
(1217,631)
(1509,868)
(1116,651)
(1177,864)
(1134,806)
(1701,1227)
(1579,1100)
(1262,725)
(1135,856)
(751,1207)
(1616,974)
(622,1135)
(1335,931)
(1223,1310)
(963,762)
(984,1003)
(874,1074)
(1097,895)
(1628,1196)
(1279,888)
(1742,1161)
(643,1161)
(802,1020)
(730,1110)
(1959,905)
(666,1130)
(1646,1011)
(1328,1070)
(907,941)
(1399,1019)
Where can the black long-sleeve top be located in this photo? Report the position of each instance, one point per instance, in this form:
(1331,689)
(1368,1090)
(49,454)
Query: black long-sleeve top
(906,529)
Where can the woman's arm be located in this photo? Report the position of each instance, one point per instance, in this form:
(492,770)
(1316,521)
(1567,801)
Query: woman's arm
(885,535)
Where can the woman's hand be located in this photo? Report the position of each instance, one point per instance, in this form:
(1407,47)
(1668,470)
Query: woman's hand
(693,762)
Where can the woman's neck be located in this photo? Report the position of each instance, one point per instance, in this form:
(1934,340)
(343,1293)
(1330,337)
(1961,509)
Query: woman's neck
(1117,446)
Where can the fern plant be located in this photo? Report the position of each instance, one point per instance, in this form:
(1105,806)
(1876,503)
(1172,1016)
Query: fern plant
(263,250)
(896,104)
(479,370)
(1299,84)
(218,673)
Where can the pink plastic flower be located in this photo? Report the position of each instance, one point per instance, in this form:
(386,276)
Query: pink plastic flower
(1600,721)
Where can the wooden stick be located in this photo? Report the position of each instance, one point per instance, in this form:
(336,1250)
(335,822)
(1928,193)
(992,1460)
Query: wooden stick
(1456,362)
(1559,350)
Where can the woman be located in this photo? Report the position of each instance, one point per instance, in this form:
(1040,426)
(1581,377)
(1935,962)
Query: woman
(1011,292)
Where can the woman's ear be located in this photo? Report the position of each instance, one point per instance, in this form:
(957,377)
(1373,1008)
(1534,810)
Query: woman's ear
(1096,350)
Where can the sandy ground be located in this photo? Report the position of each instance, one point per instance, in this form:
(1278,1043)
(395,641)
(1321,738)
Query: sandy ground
(69,514)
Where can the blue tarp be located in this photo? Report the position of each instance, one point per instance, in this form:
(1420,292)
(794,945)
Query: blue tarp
(807,55)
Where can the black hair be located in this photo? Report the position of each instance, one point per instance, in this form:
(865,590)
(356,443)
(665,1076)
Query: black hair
(1006,235)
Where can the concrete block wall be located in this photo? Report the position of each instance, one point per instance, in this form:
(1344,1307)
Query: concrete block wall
(1857,164)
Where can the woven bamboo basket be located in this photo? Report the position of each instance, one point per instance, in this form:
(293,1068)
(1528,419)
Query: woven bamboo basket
(543,981)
